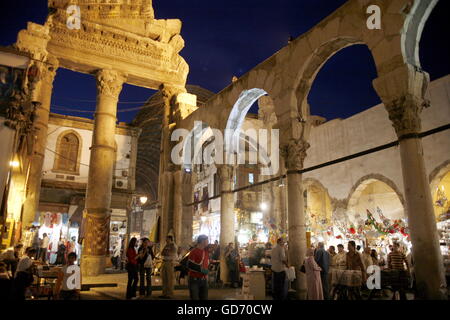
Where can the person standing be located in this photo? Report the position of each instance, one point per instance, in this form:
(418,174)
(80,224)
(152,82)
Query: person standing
(313,276)
(198,265)
(61,254)
(43,248)
(332,253)
(322,258)
(367,258)
(279,265)
(24,275)
(354,262)
(11,258)
(232,260)
(132,269)
(340,259)
(62,289)
(116,257)
(169,257)
(145,261)
(252,254)
(374,256)
(396,261)
(5,283)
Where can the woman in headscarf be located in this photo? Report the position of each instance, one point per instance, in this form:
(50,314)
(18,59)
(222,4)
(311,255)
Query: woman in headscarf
(313,280)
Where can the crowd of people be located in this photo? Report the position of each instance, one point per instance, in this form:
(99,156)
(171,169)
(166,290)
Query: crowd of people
(320,263)
(200,265)
(203,259)
(17,274)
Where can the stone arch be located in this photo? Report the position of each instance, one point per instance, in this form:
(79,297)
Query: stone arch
(414,24)
(321,194)
(440,184)
(61,153)
(314,64)
(360,186)
(438,173)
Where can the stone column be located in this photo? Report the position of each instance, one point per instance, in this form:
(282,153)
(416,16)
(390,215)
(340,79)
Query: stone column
(402,92)
(177,205)
(294,153)
(41,86)
(166,168)
(98,193)
(283,199)
(188,210)
(227,227)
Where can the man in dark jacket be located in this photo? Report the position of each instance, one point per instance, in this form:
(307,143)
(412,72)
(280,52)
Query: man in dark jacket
(322,258)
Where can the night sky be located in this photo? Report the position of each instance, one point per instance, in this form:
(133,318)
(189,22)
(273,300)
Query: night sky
(228,38)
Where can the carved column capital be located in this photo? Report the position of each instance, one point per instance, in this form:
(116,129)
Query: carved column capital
(294,153)
(109,83)
(403,93)
(169,92)
(404,112)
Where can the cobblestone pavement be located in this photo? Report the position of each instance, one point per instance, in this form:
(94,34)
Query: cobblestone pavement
(118,293)
(181,292)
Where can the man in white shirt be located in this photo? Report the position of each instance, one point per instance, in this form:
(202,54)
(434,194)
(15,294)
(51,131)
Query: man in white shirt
(279,265)
(44,247)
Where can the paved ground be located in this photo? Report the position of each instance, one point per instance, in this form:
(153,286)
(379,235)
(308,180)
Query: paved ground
(118,293)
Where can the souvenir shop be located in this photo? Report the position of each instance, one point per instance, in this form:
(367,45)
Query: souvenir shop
(371,229)
(53,220)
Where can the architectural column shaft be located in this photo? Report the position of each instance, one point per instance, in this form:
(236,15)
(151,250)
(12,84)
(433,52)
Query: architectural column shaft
(166,196)
(98,193)
(165,185)
(188,210)
(428,263)
(296,230)
(294,154)
(41,94)
(227,227)
(177,205)
(403,94)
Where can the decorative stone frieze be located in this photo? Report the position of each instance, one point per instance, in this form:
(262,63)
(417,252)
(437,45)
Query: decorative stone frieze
(121,33)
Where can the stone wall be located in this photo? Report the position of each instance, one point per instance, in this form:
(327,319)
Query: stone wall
(371,128)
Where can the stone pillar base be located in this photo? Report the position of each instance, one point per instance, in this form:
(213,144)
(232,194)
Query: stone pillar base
(92,266)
